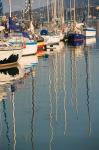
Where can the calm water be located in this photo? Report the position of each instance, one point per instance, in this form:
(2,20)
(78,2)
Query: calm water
(53,105)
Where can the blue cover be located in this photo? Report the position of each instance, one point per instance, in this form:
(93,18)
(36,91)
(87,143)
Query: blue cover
(13,26)
(44,32)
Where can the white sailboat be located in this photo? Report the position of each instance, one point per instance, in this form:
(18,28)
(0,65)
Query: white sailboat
(9,55)
(29,45)
(89,31)
(75,34)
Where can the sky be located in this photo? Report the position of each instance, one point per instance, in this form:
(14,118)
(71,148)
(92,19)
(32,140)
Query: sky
(20,4)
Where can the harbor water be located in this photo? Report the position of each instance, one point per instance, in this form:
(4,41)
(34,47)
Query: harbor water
(52,103)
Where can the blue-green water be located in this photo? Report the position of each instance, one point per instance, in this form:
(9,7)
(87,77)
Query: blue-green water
(53,105)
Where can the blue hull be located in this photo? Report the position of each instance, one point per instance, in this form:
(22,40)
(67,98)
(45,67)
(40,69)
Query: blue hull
(75,37)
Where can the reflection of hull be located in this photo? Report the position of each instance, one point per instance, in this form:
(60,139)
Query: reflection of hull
(75,43)
(9,57)
(8,75)
(28,61)
(56,47)
(90,41)
(3,93)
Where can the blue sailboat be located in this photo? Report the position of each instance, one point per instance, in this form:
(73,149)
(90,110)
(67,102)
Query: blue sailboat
(76,35)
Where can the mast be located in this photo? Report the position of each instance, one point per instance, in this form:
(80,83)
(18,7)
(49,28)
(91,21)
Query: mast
(62,15)
(88,9)
(30,17)
(10,7)
(74,12)
(48,11)
(55,11)
(30,14)
(70,10)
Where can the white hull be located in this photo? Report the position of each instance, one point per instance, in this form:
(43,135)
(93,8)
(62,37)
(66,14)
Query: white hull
(29,46)
(90,32)
(9,57)
(51,39)
(29,50)
(5,54)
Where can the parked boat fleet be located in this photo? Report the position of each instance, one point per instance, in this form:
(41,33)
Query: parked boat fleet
(18,44)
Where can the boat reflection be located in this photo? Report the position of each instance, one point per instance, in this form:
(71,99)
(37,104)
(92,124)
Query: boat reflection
(87,69)
(10,81)
(8,75)
(75,70)
(28,61)
(57,88)
(90,41)
(77,47)
(75,43)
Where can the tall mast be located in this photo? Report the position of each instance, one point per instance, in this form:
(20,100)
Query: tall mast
(10,7)
(48,11)
(74,12)
(55,10)
(62,16)
(88,8)
(30,15)
(70,9)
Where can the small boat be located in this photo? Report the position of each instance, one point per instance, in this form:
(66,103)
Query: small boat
(89,32)
(9,55)
(49,38)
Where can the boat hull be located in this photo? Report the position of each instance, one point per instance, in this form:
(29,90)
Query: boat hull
(76,37)
(30,49)
(90,32)
(9,57)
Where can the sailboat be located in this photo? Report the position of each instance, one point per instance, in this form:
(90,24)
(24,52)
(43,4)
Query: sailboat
(75,35)
(29,46)
(89,31)
(9,55)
